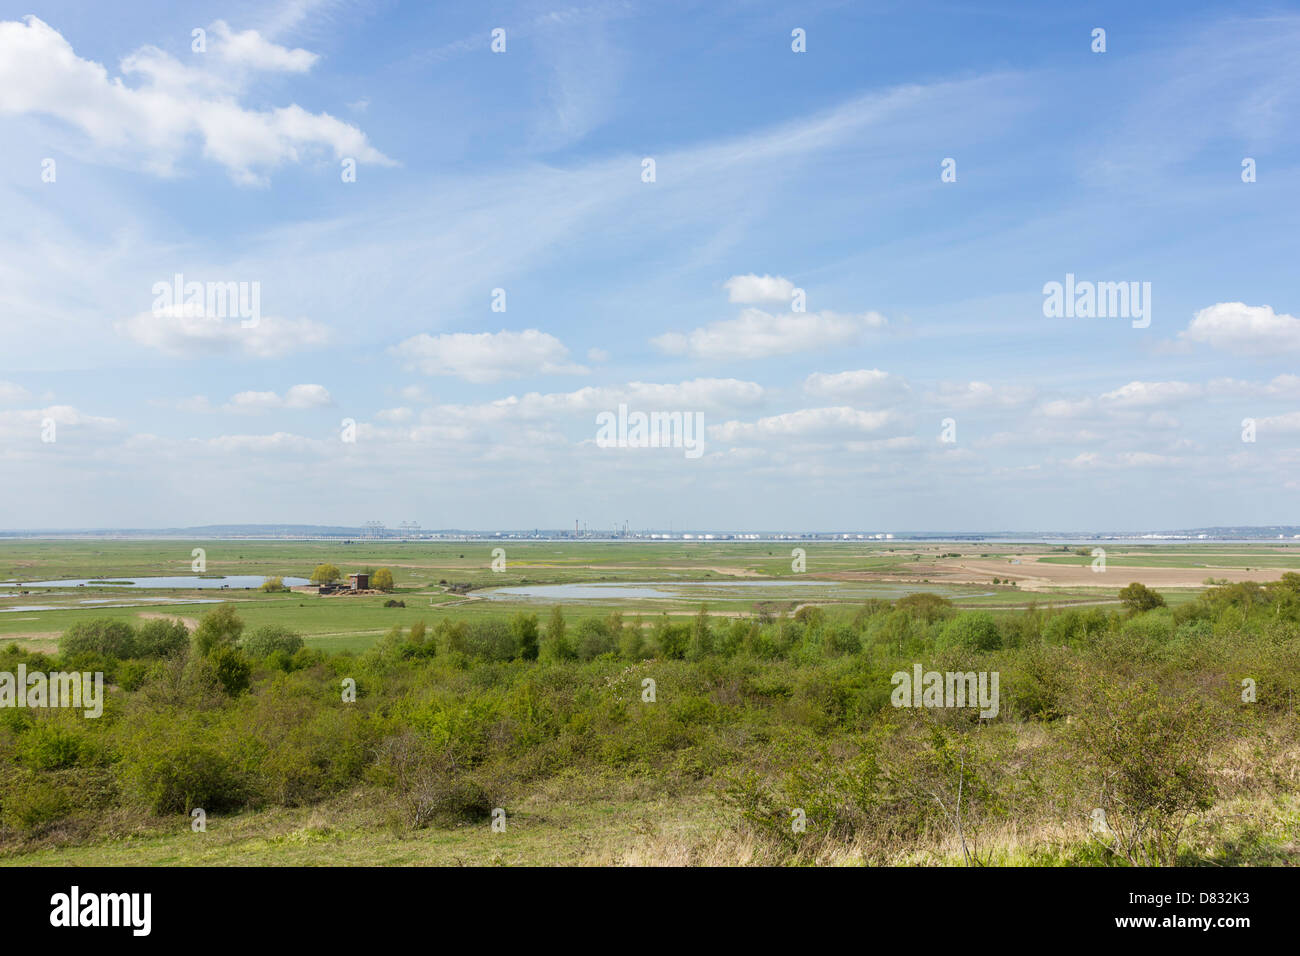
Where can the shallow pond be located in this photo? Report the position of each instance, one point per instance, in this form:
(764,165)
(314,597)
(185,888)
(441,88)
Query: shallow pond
(108,602)
(233,582)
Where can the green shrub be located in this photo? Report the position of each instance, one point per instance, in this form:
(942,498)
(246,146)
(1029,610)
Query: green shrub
(271,638)
(103,636)
(49,745)
(491,640)
(842,639)
(218,627)
(428,784)
(231,669)
(161,638)
(30,803)
(925,606)
(1154,627)
(1148,752)
(810,615)
(631,643)
(971,630)
(1137,597)
(593,639)
(178,776)
(556,645)
(671,640)
(308,657)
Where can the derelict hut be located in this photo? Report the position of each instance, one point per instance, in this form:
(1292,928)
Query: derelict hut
(360,581)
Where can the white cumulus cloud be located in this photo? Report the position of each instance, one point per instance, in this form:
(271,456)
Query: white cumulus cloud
(757,334)
(249,48)
(170,104)
(186,332)
(806,422)
(1136,394)
(863,384)
(487,356)
(299,396)
(1253,330)
(754,288)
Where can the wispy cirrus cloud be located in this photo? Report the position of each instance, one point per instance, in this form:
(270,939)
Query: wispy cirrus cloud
(11,393)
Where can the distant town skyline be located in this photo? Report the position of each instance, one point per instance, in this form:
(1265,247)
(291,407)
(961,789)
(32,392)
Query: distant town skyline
(1281,533)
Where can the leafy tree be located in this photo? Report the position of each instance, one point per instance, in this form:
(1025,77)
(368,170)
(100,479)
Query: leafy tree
(929,607)
(99,636)
(870,608)
(450,636)
(417,633)
(811,615)
(1137,597)
(382,580)
(269,638)
(593,639)
(557,645)
(701,644)
(1290,583)
(524,628)
(631,643)
(672,640)
(274,584)
(326,574)
(842,639)
(161,638)
(218,627)
(975,630)
(389,647)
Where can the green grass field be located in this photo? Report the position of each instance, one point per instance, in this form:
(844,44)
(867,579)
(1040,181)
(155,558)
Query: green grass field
(421,571)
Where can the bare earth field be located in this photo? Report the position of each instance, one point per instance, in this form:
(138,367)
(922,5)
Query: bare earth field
(1040,576)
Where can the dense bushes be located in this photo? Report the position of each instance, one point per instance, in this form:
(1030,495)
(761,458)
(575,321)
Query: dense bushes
(177,776)
(794,712)
(973,630)
(107,639)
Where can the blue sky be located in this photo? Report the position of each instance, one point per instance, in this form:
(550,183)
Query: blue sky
(774,170)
